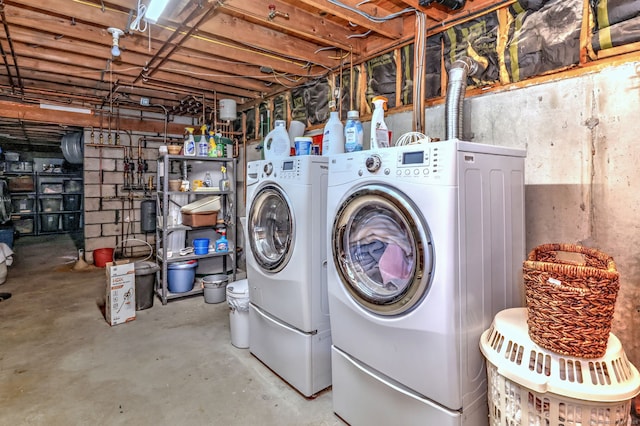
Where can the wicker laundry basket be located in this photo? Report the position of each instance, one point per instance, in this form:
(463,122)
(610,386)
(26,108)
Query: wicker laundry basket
(571,293)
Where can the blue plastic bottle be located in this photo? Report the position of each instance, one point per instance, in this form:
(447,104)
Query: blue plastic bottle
(353,133)
(222,244)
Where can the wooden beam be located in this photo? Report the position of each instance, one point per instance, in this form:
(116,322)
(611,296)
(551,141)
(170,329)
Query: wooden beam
(29,112)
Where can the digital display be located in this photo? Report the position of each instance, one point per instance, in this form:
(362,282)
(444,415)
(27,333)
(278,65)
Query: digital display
(413,157)
(287,165)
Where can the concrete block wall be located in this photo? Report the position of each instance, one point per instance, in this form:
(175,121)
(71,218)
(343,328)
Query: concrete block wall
(112,213)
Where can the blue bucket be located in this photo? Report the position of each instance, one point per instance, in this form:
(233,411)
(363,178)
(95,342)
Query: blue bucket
(181,276)
(201,246)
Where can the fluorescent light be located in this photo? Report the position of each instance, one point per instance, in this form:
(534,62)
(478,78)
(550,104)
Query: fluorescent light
(66,108)
(154,10)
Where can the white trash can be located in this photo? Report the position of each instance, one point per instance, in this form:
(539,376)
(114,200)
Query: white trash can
(238,301)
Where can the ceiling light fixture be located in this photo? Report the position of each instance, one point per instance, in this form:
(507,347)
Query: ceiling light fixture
(65,108)
(117,33)
(154,10)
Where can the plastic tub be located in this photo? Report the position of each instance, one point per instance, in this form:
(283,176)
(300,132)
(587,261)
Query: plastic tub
(201,246)
(238,301)
(145,283)
(181,276)
(215,287)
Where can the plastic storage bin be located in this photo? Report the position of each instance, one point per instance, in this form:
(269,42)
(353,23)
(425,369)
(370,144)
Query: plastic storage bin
(71,202)
(50,222)
(22,205)
(50,204)
(70,221)
(24,226)
(530,385)
(181,276)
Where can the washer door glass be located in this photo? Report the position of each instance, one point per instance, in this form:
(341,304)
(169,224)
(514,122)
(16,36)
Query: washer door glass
(382,250)
(271,229)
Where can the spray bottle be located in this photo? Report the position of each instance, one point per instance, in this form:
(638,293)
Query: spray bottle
(189,143)
(213,149)
(222,244)
(224,183)
(203,145)
(379,130)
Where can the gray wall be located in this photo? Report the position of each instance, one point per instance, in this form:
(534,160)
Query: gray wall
(582,168)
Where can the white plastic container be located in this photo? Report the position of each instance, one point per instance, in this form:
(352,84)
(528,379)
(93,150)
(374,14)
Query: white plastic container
(333,137)
(227,109)
(277,144)
(238,301)
(379,130)
(353,132)
(530,385)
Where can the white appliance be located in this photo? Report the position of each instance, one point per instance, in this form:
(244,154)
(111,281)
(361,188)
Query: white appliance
(426,246)
(289,328)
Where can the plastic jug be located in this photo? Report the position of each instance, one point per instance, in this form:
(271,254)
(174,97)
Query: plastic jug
(277,144)
(333,137)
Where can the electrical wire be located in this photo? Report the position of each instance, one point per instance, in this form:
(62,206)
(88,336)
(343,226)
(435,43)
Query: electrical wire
(371,17)
(136,24)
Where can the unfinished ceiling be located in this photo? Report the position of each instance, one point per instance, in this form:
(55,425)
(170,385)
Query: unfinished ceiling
(60,52)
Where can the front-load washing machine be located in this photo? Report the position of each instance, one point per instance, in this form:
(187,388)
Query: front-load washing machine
(289,328)
(426,244)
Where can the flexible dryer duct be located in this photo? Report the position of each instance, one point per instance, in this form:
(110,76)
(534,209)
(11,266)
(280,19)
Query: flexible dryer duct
(456,86)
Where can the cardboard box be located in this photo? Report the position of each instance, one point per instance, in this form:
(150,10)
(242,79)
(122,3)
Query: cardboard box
(120,303)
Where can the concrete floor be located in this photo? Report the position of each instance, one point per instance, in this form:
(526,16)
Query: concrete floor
(62,364)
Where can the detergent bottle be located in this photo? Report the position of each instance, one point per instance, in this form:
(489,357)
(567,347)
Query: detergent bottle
(203,145)
(277,144)
(213,148)
(189,143)
(333,136)
(379,130)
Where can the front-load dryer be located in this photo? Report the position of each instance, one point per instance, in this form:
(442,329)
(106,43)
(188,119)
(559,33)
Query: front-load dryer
(289,329)
(426,244)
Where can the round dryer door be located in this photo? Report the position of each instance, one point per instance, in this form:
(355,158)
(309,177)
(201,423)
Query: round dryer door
(382,250)
(270,229)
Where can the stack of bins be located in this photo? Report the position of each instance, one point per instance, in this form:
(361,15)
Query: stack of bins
(530,385)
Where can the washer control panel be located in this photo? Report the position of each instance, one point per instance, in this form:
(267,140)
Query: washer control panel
(289,169)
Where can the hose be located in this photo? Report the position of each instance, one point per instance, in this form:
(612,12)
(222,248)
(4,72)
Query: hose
(456,86)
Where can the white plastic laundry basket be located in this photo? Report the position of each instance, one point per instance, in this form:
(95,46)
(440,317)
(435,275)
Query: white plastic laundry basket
(530,385)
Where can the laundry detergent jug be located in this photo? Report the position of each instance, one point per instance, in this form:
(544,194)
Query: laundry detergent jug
(277,144)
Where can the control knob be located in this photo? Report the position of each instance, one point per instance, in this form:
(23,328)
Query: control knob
(373,163)
(268,169)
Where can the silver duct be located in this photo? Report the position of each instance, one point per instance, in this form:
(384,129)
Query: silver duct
(456,86)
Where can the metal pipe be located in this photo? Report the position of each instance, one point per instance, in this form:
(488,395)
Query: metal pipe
(456,86)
